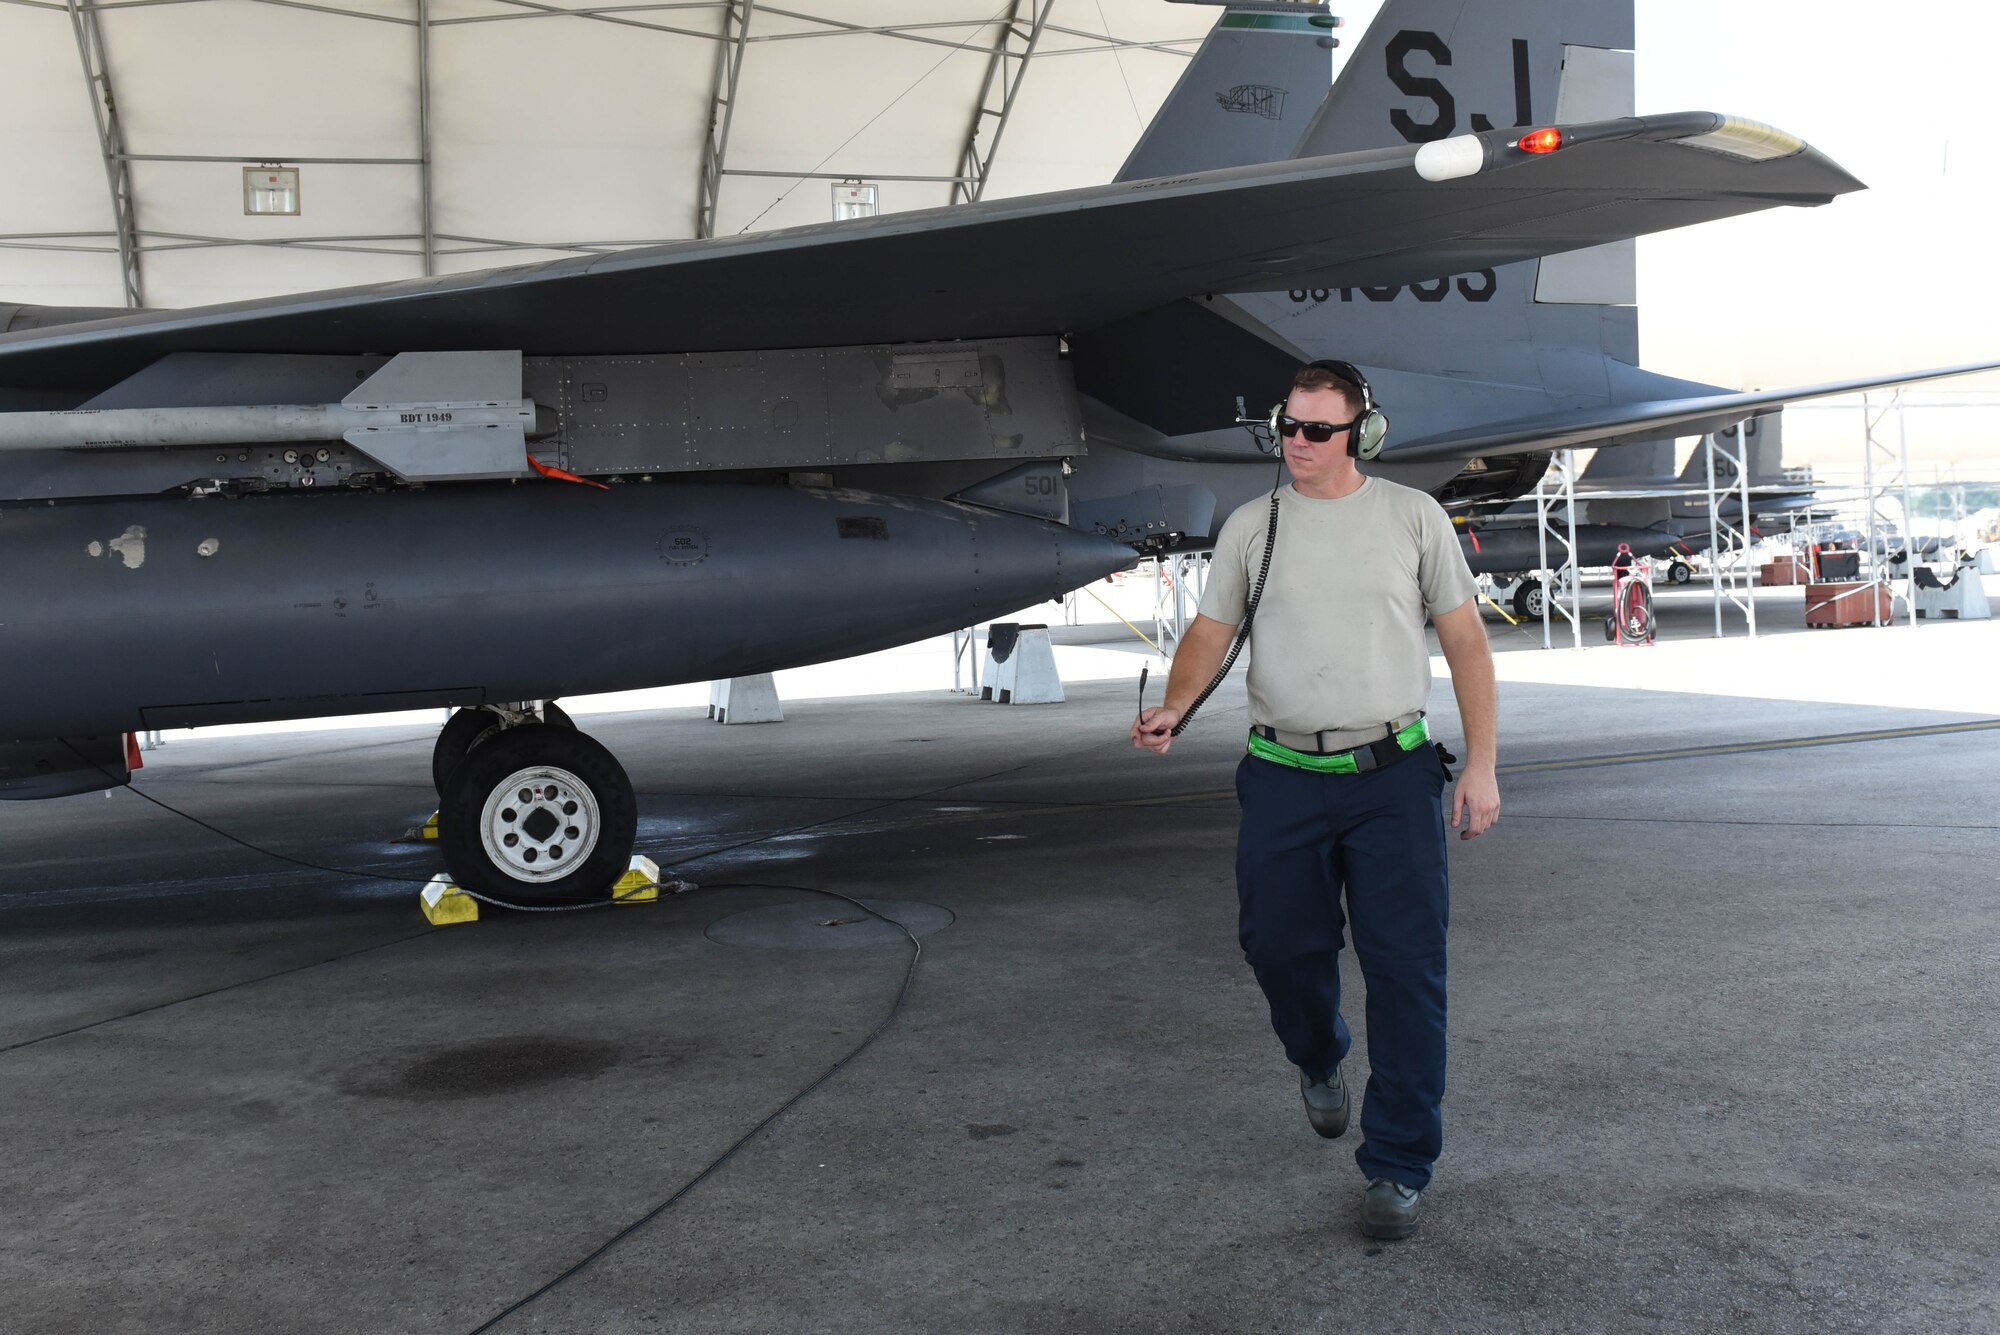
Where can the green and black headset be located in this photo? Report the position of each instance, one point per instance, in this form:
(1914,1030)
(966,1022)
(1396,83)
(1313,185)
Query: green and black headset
(1366,433)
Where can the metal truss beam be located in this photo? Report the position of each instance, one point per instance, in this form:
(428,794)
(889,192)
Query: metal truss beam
(907,32)
(1006,67)
(1184,47)
(591,12)
(1171,45)
(734,41)
(47,246)
(479,245)
(855,175)
(279,4)
(598,15)
(259,161)
(1729,571)
(111,144)
(1885,472)
(1555,517)
(913,32)
(370,244)
(426,210)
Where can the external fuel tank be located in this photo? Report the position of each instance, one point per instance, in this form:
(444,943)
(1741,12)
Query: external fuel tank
(167,612)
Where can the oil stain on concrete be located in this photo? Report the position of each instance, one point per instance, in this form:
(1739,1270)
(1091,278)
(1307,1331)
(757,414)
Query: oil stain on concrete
(491,1067)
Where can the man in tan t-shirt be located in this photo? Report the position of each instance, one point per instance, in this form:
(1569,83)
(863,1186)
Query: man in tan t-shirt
(1342,790)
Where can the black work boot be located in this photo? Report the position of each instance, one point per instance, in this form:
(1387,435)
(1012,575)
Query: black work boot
(1327,1104)
(1388,1210)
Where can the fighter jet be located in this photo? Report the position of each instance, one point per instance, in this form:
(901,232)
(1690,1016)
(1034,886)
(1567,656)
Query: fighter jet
(494,490)
(1630,496)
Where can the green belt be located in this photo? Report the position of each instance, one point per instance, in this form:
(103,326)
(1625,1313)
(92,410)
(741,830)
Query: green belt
(1339,762)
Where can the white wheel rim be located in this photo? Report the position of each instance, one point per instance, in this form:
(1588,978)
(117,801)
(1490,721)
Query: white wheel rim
(539,824)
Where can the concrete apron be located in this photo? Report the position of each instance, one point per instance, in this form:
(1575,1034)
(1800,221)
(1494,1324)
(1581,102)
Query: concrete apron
(1721,1038)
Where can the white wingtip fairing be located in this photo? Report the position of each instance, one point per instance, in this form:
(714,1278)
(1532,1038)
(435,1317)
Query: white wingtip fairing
(1449,159)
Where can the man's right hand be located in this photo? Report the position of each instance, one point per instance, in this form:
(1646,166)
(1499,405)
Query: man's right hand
(1153,730)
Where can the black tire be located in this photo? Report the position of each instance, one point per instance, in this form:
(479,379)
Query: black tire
(1680,572)
(507,848)
(468,728)
(1526,602)
(461,732)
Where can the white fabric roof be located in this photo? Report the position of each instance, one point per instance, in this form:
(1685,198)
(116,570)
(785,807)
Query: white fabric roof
(552,123)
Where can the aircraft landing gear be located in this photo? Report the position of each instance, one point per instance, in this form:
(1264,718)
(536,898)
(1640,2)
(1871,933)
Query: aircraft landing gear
(533,811)
(1528,597)
(1680,572)
(467,728)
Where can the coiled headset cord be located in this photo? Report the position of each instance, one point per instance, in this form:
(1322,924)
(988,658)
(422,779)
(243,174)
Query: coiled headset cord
(1249,608)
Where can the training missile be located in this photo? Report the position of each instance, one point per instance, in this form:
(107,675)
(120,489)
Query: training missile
(425,416)
(273,424)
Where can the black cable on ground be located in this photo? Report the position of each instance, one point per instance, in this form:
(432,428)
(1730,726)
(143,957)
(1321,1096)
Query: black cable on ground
(715,1164)
(591,903)
(226,987)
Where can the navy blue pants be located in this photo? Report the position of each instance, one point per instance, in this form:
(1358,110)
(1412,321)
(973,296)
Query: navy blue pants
(1378,836)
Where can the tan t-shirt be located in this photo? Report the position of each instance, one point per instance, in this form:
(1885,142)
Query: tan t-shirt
(1339,636)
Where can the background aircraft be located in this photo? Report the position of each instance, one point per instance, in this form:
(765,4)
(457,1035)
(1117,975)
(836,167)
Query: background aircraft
(493,490)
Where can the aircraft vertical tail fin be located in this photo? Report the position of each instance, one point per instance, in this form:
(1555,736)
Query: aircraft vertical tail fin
(1430,69)
(1246,96)
(1650,463)
(1763,446)
(1443,354)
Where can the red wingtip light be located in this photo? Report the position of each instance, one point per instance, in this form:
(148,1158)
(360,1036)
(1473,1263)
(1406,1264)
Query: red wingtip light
(1542,141)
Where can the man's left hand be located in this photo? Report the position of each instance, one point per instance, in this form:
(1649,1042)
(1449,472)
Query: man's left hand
(1475,801)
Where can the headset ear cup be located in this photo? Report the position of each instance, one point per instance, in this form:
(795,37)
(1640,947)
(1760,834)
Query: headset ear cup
(1277,411)
(1369,434)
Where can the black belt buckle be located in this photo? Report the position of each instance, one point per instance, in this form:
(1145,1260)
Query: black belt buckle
(1375,755)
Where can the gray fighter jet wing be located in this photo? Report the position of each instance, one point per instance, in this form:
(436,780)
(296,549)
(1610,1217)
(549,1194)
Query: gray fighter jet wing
(1623,423)
(1039,264)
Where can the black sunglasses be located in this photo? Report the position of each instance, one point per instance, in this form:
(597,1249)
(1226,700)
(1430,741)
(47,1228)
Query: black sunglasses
(1317,432)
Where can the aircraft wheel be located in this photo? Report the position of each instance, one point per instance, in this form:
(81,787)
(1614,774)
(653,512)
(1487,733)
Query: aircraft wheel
(461,732)
(551,713)
(1680,572)
(1528,600)
(541,813)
